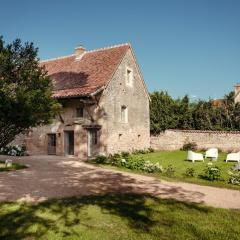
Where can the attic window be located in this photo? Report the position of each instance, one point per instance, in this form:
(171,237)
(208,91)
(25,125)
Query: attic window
(129,76)
(124,114)
(79,112)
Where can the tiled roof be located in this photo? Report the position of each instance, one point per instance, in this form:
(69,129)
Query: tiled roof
(218,102)
(84,76)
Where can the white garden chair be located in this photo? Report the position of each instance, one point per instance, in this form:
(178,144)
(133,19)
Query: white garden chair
(235,157)
(212,153)
(192,156)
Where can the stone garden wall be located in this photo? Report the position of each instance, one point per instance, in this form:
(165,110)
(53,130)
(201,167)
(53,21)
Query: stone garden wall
(175,139)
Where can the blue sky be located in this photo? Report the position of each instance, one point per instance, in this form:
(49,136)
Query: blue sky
(184,47)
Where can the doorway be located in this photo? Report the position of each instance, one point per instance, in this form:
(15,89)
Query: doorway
(69,142)
(92,142)
(51,144)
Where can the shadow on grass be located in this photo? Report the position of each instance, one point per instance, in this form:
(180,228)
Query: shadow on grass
(63,217)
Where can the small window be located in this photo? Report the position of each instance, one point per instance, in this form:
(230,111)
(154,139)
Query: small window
(79,112)
(124,114)
(119,136)
(129,77)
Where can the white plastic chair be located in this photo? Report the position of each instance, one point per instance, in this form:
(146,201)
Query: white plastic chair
(192,156)
(235,157)
(212,153)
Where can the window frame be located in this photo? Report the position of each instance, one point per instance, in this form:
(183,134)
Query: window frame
(124,114)
(129,76)
(77,111)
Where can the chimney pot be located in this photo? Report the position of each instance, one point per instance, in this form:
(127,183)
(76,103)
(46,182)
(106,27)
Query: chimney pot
(79,50)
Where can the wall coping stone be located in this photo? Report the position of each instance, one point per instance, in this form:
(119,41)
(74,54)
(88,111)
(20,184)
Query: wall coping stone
(204,131)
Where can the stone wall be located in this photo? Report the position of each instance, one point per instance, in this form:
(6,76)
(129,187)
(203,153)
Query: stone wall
(175,139)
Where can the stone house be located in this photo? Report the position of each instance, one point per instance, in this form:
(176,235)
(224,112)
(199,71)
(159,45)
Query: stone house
(105,105)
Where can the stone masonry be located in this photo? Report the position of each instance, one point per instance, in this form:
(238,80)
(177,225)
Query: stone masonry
(175,139)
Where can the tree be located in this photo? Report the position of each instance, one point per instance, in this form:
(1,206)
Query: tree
(203,115)
(161,112)
(25,91)
(183,113)
(165,113)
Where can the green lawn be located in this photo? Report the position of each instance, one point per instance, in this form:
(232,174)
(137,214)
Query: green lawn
(128,216)
(178,160)
(15,166)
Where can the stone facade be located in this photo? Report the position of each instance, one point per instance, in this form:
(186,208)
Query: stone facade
(135,134)
(102,114)
(175,139)
(237,93)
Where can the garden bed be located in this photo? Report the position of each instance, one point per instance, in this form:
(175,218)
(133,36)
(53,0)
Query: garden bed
(173,166)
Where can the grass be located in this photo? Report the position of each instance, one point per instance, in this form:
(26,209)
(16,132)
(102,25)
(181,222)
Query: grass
(115,216)
(15,166)
(178,160)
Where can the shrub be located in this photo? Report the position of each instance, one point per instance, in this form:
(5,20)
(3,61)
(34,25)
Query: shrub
(212,173)
(115,159)
(140,151)
(189,146)
(135,164)
(170,170)
(125,155)
(14,150)
(234,178)
(190,172)
(152,167)
(151,150)
(101,159)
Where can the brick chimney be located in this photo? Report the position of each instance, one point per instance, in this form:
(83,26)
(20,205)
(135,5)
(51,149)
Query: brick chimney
(79,50)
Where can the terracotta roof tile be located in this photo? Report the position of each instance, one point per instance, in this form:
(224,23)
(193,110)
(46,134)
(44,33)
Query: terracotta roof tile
(73,77)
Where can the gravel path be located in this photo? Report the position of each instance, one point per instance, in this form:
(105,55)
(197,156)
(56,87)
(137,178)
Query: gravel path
(56,177)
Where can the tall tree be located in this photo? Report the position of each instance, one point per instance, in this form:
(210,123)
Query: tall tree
(161,112)
(183,113)
(25,91)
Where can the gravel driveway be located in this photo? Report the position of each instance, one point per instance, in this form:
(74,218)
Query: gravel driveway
(56,177)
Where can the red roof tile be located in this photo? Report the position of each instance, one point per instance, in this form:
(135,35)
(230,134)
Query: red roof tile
(73,77)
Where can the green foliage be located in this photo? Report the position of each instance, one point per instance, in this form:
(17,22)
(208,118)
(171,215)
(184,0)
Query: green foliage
(13,167)
(115,159)
(126,160)
(151,150)
(170,170)
(141,151)
(212,173)
(125,155)
(162,109)
(150,167)
(25,91)
(167,113)
(190,172)
(189,146)
(134,164)
(234,178)
(13,150)
(101,159)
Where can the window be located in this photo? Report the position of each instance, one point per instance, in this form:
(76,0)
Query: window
(129,77)
(124,114)
(94,133)
(79,112)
